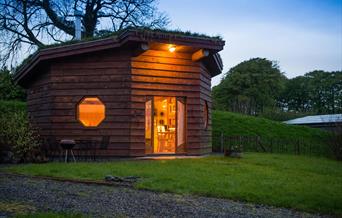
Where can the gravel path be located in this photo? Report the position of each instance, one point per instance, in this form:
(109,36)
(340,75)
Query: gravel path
(107,201)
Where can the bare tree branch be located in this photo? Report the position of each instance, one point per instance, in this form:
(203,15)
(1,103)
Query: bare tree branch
(26,25)
(60,22)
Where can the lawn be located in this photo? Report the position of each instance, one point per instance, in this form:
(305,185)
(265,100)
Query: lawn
(306,183)
(49,215)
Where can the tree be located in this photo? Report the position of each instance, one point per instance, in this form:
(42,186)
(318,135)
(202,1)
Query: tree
(8,90)
(325,91)
(295,97)
(249,87)
(317,92)
(29,24)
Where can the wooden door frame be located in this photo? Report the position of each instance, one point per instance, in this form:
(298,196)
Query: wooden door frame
(182,99)
(150,98)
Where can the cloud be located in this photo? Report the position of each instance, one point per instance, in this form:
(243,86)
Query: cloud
(297,50)
(301,35)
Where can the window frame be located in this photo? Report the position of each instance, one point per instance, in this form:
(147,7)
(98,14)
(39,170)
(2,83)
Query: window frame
(77,111)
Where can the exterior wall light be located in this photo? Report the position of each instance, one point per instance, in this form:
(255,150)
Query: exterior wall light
(172,48)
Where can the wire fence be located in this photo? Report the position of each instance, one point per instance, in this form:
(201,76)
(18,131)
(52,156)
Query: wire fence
(296,146)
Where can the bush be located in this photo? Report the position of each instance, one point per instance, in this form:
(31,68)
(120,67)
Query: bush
(8,89)
(18,140)
(12,106)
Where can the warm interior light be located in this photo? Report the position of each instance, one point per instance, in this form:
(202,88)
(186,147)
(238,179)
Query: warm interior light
(164,125)
(91,111)
(172,48)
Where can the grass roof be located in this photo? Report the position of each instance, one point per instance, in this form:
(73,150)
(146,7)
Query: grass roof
(138,29)
(108,34)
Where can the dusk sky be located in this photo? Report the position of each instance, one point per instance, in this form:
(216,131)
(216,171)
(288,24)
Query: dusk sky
(302,35)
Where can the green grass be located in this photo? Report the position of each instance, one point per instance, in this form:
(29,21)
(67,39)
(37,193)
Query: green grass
(25,210)
(49,215)
(311,184)
(233,124)
(16,207)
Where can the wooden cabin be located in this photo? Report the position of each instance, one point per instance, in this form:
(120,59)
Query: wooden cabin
(136,93)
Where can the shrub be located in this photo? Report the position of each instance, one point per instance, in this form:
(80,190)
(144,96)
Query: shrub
(12,106)
(8,89)
(18,140)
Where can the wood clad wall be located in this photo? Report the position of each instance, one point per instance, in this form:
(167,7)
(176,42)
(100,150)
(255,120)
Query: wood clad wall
(206,141)
(104,75)
(161,73)
(123,83)
(39,103)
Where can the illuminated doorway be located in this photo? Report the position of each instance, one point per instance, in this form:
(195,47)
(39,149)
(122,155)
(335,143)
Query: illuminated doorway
(164,125)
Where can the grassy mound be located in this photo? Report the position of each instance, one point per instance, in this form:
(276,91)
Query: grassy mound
(232,124)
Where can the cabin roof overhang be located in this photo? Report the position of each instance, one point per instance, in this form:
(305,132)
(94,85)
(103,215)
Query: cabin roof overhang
(129,37)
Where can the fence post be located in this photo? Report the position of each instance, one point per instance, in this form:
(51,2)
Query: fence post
(255,143)
(240,141)
(221,141)
(310,148)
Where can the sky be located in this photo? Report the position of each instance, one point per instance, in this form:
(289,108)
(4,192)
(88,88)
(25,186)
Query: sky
(301,35)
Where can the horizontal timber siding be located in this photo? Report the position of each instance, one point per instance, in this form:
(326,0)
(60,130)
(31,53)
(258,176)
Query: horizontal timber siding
(39,103)
(104,75)
(206,98)
(123,83)
(159,73)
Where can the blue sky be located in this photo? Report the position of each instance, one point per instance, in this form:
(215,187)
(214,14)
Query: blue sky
(302,35)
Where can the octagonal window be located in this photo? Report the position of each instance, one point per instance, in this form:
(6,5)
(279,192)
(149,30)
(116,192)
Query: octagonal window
(91,111)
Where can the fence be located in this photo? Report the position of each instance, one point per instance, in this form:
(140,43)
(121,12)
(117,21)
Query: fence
(269,145)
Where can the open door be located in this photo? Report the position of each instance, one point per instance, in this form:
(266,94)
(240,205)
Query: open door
(164,125)
(181,127)
(148,127)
